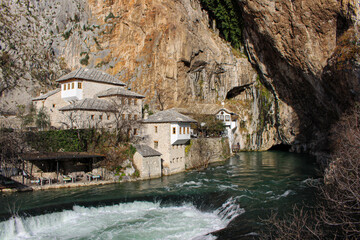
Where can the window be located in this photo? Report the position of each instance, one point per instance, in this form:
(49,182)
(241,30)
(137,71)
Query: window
(64,87)
(79,85)
(180,130)
(123,116)
(227,117)
(54,105)
(135,131)
(108,117)
(156,144)
(135,102)
(135,117)
(174,130)
(68,87)
(156,129)
(92,117)
(129,117)
(183,130)
(188,130)
(100,117)
(72,85)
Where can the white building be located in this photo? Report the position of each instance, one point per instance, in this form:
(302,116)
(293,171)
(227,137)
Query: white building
(229,119)
(90,98)
(168,132)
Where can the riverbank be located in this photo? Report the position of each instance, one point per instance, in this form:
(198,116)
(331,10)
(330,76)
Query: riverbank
(62,185)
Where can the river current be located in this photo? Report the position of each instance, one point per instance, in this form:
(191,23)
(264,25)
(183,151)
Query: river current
(226,201)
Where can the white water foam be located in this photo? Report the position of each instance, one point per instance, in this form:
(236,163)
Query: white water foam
(190,184)
(137,220)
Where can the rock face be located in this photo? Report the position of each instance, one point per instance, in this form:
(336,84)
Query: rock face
(157,47)
(308,53)
(162,49)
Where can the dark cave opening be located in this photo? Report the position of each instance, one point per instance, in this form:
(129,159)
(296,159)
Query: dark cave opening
(280,147)
(236,91)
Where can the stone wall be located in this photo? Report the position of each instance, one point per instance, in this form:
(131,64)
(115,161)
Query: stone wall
(149,167)
(202,151)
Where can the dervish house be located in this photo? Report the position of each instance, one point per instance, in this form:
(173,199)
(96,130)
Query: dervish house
(90,98)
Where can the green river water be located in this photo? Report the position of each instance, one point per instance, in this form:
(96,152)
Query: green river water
(225,201)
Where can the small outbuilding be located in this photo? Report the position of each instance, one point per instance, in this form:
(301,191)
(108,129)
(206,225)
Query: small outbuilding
(148,161)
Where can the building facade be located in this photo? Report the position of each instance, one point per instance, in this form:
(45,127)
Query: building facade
(229,119)
(90,98)
(168,132)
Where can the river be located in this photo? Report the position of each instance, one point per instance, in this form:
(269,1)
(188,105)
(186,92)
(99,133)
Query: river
(225,201)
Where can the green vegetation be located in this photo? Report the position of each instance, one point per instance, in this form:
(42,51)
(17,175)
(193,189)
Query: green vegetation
(111,15)
(76,18)
(265,103)
(147,108)
(67,34)
(188,147)
(42,119)
(85,60)
(100,64)
(71,140)
(137,173)
(97,43)
(228,19)
(130,151)
(208,125)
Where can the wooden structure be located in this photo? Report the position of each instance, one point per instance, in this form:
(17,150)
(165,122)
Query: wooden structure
(59,162)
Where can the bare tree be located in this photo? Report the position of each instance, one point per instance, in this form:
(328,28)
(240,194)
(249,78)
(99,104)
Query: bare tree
(12,144)
(162,95)
(342,178)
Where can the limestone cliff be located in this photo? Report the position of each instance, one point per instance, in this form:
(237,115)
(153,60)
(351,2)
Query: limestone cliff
(308,54)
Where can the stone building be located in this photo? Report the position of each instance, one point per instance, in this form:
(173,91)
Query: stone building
(147,161)
(168,132)
(90,98)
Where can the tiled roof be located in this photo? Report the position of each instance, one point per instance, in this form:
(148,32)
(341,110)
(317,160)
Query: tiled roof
(167,117)
(146,151)
(119,91)
(90,104)
(91,75)
(46,95)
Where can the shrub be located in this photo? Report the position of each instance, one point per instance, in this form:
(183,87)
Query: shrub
(85,60)
(67,34)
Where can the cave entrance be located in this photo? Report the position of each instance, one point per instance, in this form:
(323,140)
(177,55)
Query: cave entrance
(281,147)
(235,91)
